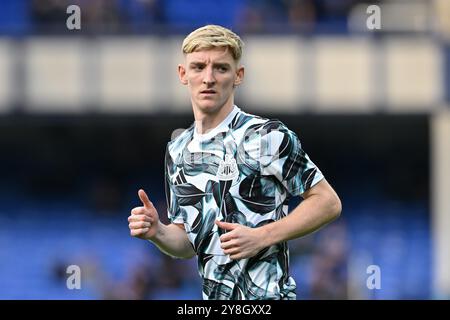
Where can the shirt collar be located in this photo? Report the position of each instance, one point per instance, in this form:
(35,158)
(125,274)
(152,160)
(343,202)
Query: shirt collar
(221,127)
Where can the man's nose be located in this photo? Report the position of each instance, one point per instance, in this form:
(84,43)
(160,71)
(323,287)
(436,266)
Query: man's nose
(208,77)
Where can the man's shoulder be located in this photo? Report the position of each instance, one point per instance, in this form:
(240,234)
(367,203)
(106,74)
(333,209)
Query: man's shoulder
(180,139)
(259,125)
(252,122)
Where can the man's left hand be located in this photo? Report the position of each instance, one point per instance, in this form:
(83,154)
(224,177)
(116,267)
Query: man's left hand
(241,242)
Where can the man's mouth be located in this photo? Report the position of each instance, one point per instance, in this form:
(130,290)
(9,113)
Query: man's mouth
(208,92)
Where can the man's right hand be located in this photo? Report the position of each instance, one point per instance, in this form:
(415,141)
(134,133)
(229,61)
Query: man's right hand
(144,221)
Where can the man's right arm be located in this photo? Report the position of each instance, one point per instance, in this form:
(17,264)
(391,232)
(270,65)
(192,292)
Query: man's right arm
(173,241)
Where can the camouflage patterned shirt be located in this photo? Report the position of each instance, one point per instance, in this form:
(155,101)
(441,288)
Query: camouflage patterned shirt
(243,171)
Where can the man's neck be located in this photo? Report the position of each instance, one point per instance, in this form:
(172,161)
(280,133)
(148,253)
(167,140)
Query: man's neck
(205,122)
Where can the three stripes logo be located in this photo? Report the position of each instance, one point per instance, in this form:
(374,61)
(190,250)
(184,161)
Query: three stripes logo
(180,179)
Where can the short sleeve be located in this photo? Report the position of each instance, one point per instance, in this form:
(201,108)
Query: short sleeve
(173,209)
(282,156)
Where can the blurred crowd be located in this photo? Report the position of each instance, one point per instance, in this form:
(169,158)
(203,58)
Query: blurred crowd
(156,16)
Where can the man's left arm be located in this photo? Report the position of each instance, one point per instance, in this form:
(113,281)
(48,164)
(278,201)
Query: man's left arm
(320,206)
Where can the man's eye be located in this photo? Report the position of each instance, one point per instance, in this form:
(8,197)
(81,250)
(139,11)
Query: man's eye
(223,69)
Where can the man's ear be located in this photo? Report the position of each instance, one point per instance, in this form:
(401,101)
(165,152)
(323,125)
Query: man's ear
(182,74)
(239,76)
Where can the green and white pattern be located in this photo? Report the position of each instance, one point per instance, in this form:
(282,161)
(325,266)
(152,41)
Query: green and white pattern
(243,171)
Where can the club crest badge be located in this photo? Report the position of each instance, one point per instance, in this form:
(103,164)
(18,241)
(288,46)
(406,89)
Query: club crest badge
(228,169)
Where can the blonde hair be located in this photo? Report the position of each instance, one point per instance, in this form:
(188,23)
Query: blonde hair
(213,36)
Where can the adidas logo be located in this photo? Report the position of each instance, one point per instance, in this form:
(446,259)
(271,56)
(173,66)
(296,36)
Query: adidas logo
(180,178)
(228,169)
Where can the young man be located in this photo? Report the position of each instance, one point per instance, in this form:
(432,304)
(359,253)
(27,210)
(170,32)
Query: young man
(228,181)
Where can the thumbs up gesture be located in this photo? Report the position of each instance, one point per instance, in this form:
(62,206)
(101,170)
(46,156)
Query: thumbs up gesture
(144,220)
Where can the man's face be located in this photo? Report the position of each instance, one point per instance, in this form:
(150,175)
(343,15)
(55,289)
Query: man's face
(211,76)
